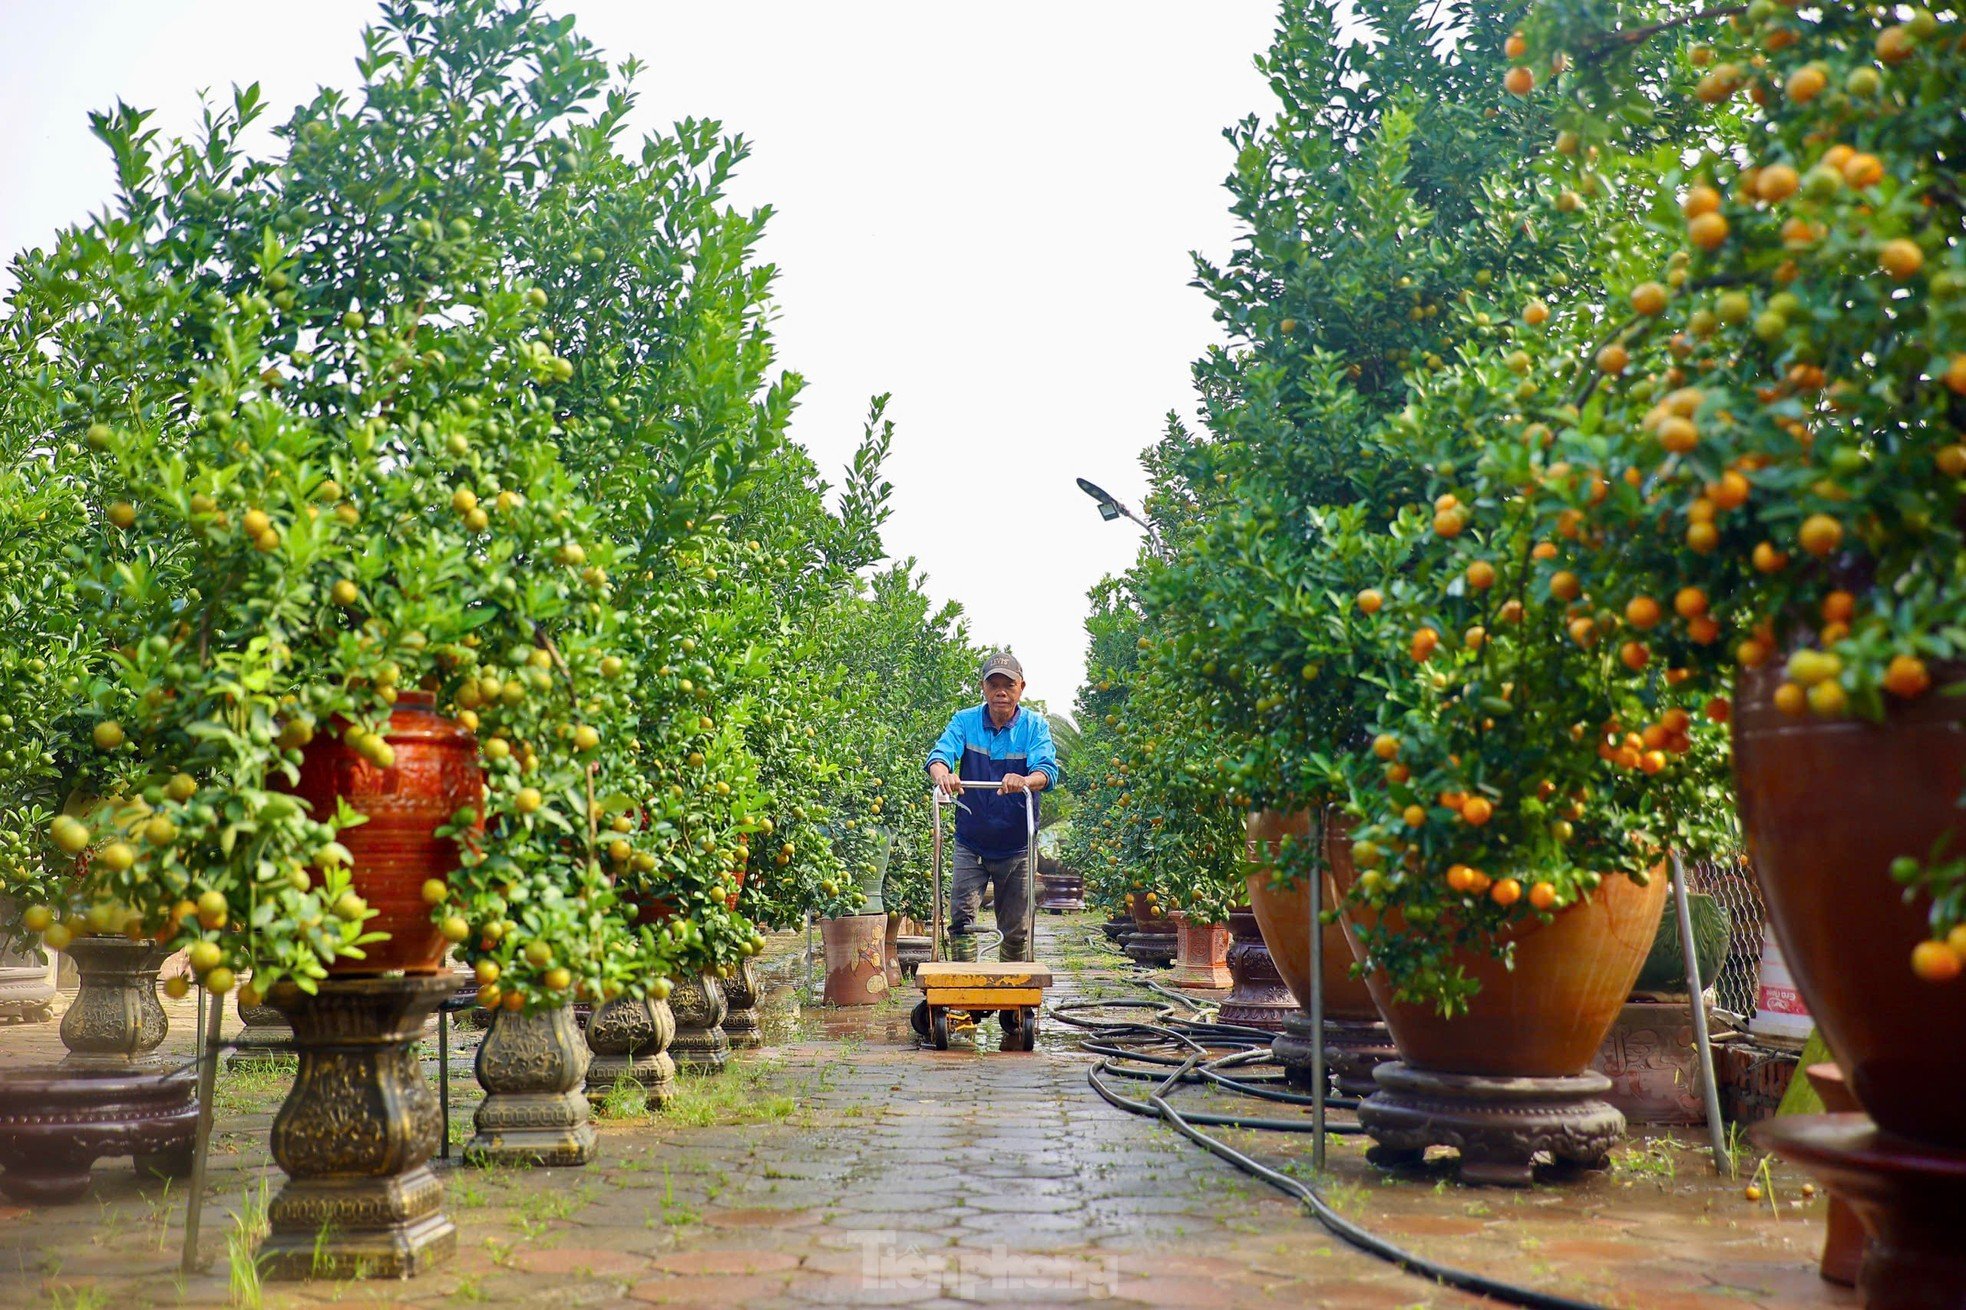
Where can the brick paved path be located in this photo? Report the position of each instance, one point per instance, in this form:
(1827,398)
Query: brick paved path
(844,1166)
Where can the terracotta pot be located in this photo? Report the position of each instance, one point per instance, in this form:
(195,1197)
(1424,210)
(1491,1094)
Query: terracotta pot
(1285,919)
(652,910)
(1547,1017)
(1826,805)
(1203,958)
(435,774)
(856,966)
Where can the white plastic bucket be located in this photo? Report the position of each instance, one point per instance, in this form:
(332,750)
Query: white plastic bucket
(1778,1008)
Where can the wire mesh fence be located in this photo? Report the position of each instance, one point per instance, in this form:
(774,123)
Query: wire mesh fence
(1731,882)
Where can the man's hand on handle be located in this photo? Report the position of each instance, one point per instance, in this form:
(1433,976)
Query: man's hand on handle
(1011,784)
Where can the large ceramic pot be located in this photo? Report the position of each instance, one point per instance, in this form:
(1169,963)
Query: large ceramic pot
(1826,805)
(1546,1017)
(1285,919)
(434,774)
(856,965)
(1664,970)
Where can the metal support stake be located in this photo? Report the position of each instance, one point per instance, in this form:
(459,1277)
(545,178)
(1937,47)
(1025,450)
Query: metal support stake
(212,1016)
(808,999)
(1030,880)
(1723,1162)
(444,1079)
(935,928)
(1317,998)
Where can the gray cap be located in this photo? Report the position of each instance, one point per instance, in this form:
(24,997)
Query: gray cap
(1003,662)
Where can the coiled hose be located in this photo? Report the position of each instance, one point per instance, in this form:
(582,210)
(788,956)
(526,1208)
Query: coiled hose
(1124,1044)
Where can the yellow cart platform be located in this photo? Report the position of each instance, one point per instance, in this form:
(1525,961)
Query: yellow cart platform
(972,991)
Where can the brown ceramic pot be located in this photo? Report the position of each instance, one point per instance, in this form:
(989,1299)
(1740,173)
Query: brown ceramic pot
(1145,920)
(1826,805)
(1545,1018)
(1285,919)
(435,774)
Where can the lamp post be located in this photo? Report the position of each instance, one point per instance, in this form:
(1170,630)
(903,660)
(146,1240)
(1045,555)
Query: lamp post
(1110,508)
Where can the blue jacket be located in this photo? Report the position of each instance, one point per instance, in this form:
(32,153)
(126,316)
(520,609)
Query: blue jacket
(978,751)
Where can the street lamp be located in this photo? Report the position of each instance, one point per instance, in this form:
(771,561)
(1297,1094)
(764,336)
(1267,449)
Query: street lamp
(1110,509)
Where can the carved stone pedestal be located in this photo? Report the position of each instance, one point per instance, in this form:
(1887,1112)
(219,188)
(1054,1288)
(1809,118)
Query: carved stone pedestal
(355,1136)
(265,1042)
(741,994)
(700,1042)
(1202,959)
(1351,1052)
(1258,998)
(1653,1065)
(116,1022)
(629,1036)
(532,1066)
(1497,1124)
(1910,1196)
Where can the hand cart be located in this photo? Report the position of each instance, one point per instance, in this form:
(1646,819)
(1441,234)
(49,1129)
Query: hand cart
(963,993)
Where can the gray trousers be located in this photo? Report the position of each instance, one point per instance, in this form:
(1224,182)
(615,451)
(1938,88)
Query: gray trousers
(971,873)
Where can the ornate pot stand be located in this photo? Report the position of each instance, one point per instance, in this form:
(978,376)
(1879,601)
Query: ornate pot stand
(111,1095)
(265,1039)
(1352,1050)
(532,1065)
(116,1022)
(1911,1197)
(1497,1124)
(630,1036)
(1060,892)
(741,992)
(1258,998)
(700,1042)
(355,1135)
(911,951)
(1202,960)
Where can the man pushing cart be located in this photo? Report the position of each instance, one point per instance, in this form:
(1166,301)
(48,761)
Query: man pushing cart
(999,743)
(990,763)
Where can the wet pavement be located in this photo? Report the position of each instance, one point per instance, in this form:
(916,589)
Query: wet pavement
(844,1165)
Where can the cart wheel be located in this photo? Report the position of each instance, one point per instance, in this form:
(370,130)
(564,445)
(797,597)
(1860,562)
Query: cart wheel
(1027,1029)
(918,1019)
(938,1029)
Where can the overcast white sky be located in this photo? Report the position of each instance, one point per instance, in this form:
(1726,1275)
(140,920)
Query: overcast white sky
(986,211)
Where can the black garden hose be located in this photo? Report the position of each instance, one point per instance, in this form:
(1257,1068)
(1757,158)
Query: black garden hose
(1110,1041)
